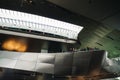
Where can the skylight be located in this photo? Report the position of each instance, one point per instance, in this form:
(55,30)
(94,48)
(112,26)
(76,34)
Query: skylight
(15,19)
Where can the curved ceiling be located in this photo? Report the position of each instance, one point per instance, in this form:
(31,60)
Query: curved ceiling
(107,12)
(104,11)
(100,18)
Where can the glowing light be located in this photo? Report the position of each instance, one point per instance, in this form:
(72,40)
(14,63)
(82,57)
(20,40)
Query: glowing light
(15,44)
(27,21)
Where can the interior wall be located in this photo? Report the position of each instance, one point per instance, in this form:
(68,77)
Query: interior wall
(101,37)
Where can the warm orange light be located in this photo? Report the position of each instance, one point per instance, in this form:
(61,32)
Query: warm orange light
(15,44)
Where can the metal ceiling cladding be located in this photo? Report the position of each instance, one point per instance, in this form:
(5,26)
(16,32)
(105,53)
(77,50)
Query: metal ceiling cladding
(81,62)
(25,65)
(46,58)
(45,68)
(7,54)
(29,57)
(69,63)
(45,63)
(63,63)
(7,63)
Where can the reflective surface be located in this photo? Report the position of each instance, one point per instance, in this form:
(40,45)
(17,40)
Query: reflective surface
(81,62)
(7,63)
(63,63)
(29,57)
(45,67)
(69,63)
(46,58)
(25,65)
(7,54)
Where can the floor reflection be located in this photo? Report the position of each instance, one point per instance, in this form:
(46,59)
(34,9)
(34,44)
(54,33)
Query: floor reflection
(11,74)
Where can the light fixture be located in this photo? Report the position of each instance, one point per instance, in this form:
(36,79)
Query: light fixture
(21,20)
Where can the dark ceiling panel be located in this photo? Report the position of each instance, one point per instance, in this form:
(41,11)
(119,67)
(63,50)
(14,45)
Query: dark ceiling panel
(113,21)
(94,9)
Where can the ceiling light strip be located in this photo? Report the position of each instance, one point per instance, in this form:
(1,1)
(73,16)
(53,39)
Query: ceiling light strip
(22,20)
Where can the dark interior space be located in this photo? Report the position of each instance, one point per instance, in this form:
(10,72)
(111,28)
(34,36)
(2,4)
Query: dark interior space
(100,20)
(54,47)
(33,45)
